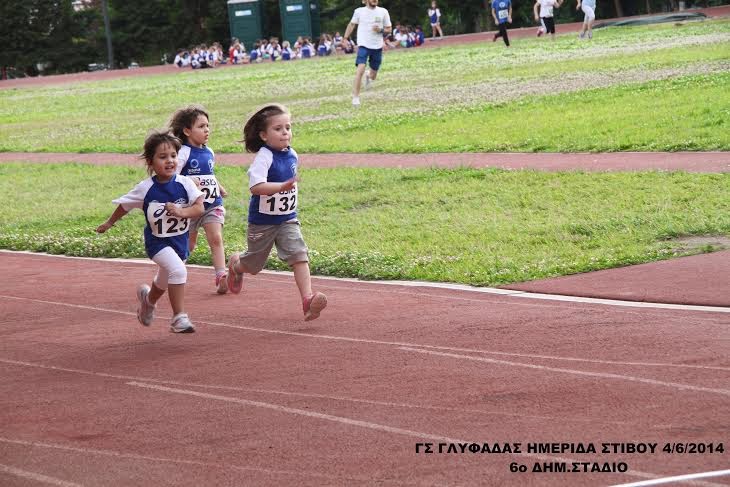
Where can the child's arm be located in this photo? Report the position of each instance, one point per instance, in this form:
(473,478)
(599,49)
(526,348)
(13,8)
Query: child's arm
(577,7)
(115,217)
(267,189)
(494,14)
(192,211)
(509,15)
(537,18)
(223,191)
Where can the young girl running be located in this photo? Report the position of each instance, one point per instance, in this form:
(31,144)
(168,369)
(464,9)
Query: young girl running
(589,11)
(272,214)
(168,200)
(197,160)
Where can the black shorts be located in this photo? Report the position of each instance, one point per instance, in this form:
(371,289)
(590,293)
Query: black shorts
(549,24)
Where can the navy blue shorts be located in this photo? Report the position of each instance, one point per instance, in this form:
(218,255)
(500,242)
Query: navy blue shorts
(375,55)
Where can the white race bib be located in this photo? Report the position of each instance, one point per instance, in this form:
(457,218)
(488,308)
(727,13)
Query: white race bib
(279,204)
(164,225)
(208,184)
(502,14)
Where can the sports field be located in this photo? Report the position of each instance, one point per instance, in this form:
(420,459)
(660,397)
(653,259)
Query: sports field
(406,383)
(657,87)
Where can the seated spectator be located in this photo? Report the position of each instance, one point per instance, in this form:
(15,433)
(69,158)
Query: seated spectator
(321,47)
(307,49)
(286,52)
(337,42)
(255,54)
(348,46)
(182,59)
(231,50)
(274,49)
(390,42)
(420,36)
(195,58)
(411,37)
(264,49)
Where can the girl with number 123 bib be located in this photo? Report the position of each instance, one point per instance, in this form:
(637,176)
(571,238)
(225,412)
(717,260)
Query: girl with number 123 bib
(168,201)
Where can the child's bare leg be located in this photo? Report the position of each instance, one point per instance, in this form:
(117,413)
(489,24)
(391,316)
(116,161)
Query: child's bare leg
(312,303)
(303,278)
(176,293)
(214,235)
(193,240)
(373,74)
(155,293)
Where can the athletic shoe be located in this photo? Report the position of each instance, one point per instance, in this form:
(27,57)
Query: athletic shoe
(368,81)
(590,35)
(221,282)
(581,35)
(234,279)
(494,39)
(539,32)
(313,306)
(181,324)
(356,101)
(145,310)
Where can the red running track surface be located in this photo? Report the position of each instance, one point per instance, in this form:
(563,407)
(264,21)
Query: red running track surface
(259,397)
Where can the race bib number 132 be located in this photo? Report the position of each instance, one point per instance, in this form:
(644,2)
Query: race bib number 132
(279,204)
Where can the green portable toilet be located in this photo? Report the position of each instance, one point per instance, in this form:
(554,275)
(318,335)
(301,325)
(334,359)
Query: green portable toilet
(246,20)
(299,18)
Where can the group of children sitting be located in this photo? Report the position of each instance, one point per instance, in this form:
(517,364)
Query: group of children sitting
(405,36)
(203,56)
(264,50)
(272,50)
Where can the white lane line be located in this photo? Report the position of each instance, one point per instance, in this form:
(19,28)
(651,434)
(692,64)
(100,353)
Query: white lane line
(155,459)
(677,478)
(356,422)
(382,342)
(437,285)
(37,477)
(301,394)
(602,375)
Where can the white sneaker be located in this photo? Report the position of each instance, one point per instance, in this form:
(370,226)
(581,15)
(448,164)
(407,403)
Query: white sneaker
(181,324)
(368,81)
(145,310)
(356,101)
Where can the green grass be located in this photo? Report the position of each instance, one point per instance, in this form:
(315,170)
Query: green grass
(482,227)
(661,87)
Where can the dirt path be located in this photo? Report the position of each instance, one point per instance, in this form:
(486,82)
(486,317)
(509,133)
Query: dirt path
(701,162)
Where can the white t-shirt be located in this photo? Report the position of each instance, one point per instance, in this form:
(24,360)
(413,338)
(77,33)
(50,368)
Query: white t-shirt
(546,7)
(366,18)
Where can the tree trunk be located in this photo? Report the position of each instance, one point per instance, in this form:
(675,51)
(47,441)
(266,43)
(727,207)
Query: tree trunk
(619,9)
(648,6)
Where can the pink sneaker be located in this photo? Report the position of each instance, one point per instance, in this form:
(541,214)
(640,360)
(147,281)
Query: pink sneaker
(313,306)
(221,283)
(234,280)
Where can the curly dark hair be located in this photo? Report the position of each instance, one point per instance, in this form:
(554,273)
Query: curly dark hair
(185,118)
(257,123)
(155,139)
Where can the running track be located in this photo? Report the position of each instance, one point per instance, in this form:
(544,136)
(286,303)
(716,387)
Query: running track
(259,397)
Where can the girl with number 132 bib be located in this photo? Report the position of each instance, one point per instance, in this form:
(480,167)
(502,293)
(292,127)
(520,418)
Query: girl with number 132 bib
(272,213)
